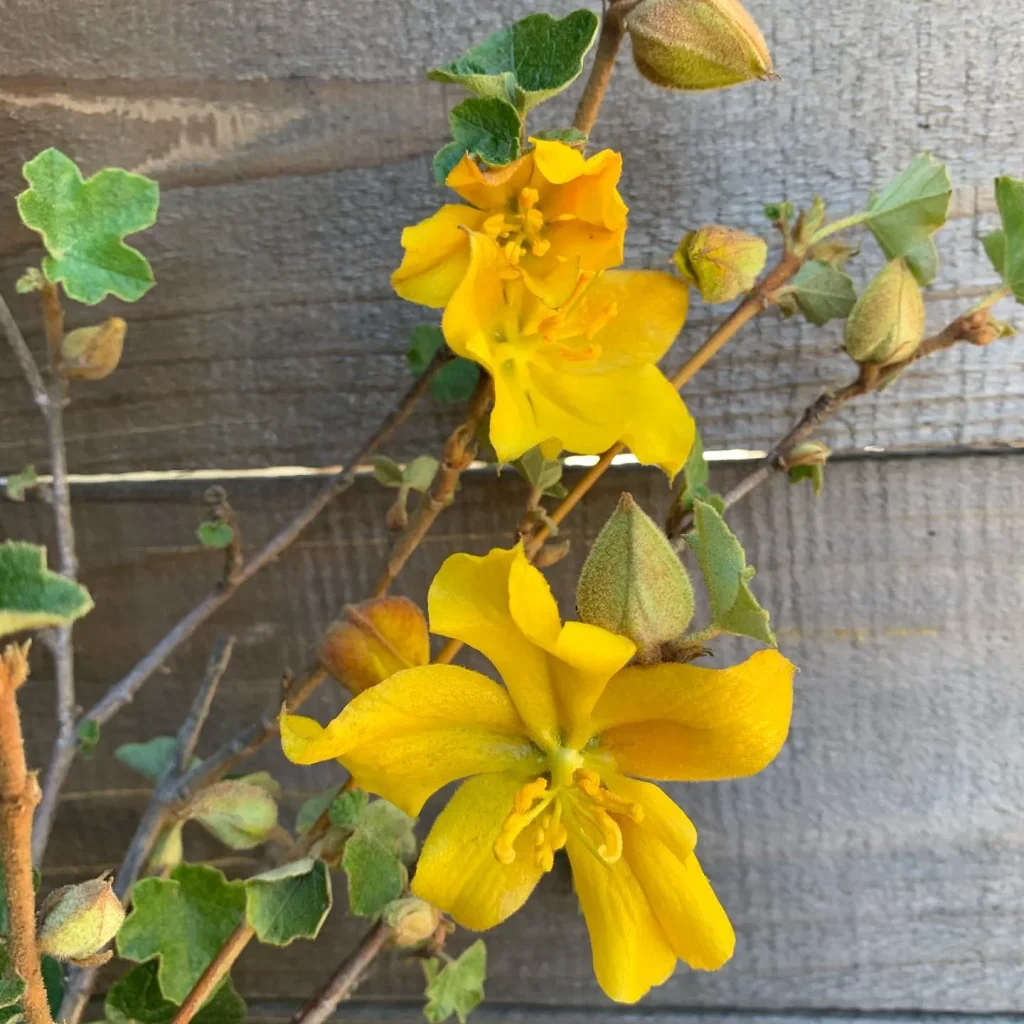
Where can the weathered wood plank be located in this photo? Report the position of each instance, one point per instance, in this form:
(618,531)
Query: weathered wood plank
(294,148)
(876,866)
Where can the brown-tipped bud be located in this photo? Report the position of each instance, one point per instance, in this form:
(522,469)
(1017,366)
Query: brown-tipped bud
(808,453)
(92,353)
(411,921)
(77,921)
(238,813)
(633,583)
(697,44)
(720,262)
(886,324)
(374,640)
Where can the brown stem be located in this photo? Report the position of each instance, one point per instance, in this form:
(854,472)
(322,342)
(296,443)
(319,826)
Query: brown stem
(613,29)
(19,794)
(459,450)
(219,966)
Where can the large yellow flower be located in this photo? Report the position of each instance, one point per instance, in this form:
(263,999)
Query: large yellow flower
(553,212)
(580,377)
(549,760)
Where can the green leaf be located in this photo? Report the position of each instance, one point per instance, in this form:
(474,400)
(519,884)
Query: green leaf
(1010,200)
(374,857)
(424,342)
(816,475)
(695,479)
(182,921)
(33,597)
(544,474)
(458,987)
(347,808)
(455,381)
(386,471)
(734,609)
(823,293)
(12,985)
(995,249)
(525,63)
(215,535)
(779,213)
(87,733)
(136,999)
(19,483)
(83,224)
(570,136)
(53,982)
(420,473)
(311,809)
(150,758)
(290,902)
(488,129)
(908,211)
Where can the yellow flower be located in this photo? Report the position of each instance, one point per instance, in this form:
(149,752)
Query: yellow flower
(550,760)
(580,377)
(553,213)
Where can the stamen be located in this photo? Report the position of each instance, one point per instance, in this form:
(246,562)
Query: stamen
(522,815)
(540,246)
(528,199)
(589,781)
(534,220)
(601,320)
(495,225)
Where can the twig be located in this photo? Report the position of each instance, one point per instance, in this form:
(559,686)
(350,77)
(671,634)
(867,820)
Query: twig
(346,979)
(217,968)
(19,794)
(613,29)
(459,451)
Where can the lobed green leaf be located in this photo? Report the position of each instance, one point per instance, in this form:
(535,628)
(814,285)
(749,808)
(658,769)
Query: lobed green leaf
(458,987)
(374,858)
(136,999)
(149,758)
(33,597)
(290,902)
(487,129)
(823,292)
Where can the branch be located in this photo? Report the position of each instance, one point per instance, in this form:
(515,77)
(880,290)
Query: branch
(211,977)
(613,29)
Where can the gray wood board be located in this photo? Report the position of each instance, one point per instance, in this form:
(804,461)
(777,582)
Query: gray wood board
(877,865)
(293,145)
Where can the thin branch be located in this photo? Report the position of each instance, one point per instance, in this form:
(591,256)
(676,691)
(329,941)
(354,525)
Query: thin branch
(188,734)
(217,968)
(613,30)
(25,359)
(459,451)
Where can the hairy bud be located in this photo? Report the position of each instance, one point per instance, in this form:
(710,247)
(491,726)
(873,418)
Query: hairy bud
(374,640)
(720,262)
(697,44)
(633,583)
(808,453)
(92,353)
(77,921)
(411,921)
(241,815)
(887,323)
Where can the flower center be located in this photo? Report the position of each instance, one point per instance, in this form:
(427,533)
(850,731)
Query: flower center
(519,229)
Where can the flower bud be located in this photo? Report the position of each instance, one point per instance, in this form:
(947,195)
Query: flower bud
(808,453)
(720,262)
(886,324)
(374,640)
(77,921)
(411,921)
(92,353)
(633,583)
(168,850)
(697,44)
(238,813)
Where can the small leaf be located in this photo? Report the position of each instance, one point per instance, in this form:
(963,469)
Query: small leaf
(182,921)
(215,535)
(83,224)
(823,293)
(88,734)
(19,483)
(734,609)
(995,249)
(779,213)
(695,480)
(816,475)
(348,807)
(150,758)
(458,987)
(31,281)
(424,343)
(570,136)
(290,902)
(1010,199)
(420,473)
(311,809)
(53,982)
(136,999)
(539,472)
(33,597)
(374,857)
(488,129)
(905,214)
(525,63)
(386,471)
(455,381)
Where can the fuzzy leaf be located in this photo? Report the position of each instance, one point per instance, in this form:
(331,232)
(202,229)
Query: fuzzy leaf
(150,758)
(823,293)
(458,987)
(525,63)
(136,999)
(695,480)
(734,609)
(537,471)
(455,381)
(311,809)
(1010,199)
(182,921)
(348,807)
(420,473)
(215,535)
(488,129)
(386,471)
(12,985)
(33,597)
(374,857)
(290,902)
(424,342)
(83,224)
(87,732)
(570,136)
(19,483)
(816,475)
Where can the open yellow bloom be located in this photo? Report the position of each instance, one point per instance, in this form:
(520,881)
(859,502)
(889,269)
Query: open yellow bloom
(548,760)
(582,376)
(553,213)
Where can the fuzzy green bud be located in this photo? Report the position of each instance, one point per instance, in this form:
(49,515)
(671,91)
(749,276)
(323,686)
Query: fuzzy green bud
(887,322)
(633,583)
(77,921)
(697,44)
(92,353)
(238,813)
(720,262)
(411,921)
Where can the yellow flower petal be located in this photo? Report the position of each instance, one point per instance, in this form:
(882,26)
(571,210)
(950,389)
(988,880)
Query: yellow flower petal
(681,897)
(694,724)
(514,428)
(630,949)
(457,870)
(305,741)
(588,189)
(436,255)
(556,161)
(663,817)
(469,601)
(599,248)
(490,188)
(419,730)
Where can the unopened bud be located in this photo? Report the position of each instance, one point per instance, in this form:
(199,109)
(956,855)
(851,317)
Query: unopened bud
(168,850)
(92,353)
(720,262)
(411,921)
(808,453)
(238,813)
(374,640)
(697,44)
(887,323)
(77,921)
(633,583)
